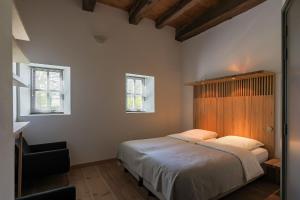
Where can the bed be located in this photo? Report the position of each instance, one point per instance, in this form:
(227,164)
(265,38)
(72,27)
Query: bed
(176,167)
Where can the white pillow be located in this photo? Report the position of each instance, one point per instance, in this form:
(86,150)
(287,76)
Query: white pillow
(241,142)
(199,134)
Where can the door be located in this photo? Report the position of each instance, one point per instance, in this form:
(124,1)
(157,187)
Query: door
(291,118)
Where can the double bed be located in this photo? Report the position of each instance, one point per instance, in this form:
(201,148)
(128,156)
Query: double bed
(239,112)
(175,167)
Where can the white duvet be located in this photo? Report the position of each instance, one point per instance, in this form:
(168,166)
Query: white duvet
(189,169)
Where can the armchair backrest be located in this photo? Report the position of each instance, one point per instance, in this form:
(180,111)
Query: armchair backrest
(26,148)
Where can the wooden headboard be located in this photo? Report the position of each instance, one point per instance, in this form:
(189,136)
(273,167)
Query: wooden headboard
(242,105)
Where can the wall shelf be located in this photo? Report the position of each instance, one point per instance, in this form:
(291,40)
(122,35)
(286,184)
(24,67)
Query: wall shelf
(18,127)
(17,81)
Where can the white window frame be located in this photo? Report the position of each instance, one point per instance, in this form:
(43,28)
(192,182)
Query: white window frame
(33,90)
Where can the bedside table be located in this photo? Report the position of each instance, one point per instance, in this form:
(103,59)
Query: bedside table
(272,170)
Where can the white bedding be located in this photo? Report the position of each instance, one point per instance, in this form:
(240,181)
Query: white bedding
(195,135)
(240,142)
(261,154)
(170,162)
(251,167)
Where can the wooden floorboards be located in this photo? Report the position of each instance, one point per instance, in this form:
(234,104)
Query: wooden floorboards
(108,181)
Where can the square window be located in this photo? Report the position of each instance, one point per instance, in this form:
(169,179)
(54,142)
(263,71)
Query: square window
(139,93)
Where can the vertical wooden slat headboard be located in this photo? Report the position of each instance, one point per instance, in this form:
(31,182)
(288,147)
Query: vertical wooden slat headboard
(242,105)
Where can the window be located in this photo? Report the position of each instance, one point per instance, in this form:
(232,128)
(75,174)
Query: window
(47,90)
(139,93)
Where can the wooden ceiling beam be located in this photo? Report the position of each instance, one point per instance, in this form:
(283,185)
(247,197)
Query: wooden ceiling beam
(223,11)
(175,11)
(88,5)
(138,10)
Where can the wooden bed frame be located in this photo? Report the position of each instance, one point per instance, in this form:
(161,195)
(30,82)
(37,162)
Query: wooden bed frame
(242,105)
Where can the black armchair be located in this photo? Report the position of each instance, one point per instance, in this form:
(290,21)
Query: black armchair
(45,159)
(65,193)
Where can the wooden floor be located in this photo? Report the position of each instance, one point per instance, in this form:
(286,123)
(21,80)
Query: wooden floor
(108,181)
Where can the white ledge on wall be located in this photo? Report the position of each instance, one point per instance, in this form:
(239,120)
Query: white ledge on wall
(19,127)
(47,114)
(133,112)
(17,81)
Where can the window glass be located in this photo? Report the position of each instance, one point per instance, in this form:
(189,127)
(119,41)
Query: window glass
(130,85)
(55,101)
(138,102)
(130,102)
(41,80)
(54,80)
(41,100)
(138,86)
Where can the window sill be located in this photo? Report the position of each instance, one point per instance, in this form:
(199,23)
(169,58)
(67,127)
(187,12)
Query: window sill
(137,112)
(46,114)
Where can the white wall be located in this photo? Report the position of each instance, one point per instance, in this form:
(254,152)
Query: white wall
(248,42)
(61,33)
(6,136)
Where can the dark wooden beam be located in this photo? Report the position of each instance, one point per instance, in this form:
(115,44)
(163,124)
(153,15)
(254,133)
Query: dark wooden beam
(178,9)
(138,10)
(88,5)
(223,11)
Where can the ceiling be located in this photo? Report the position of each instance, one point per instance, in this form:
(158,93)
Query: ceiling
(188,17)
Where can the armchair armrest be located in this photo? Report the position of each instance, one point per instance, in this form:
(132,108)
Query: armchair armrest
(64,193)
(48,146)
(46,163)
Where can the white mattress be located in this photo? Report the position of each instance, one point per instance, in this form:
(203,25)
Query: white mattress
(261,154)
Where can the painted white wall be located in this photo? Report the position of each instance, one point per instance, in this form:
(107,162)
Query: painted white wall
(62,34)
(6,117)
(248,42)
